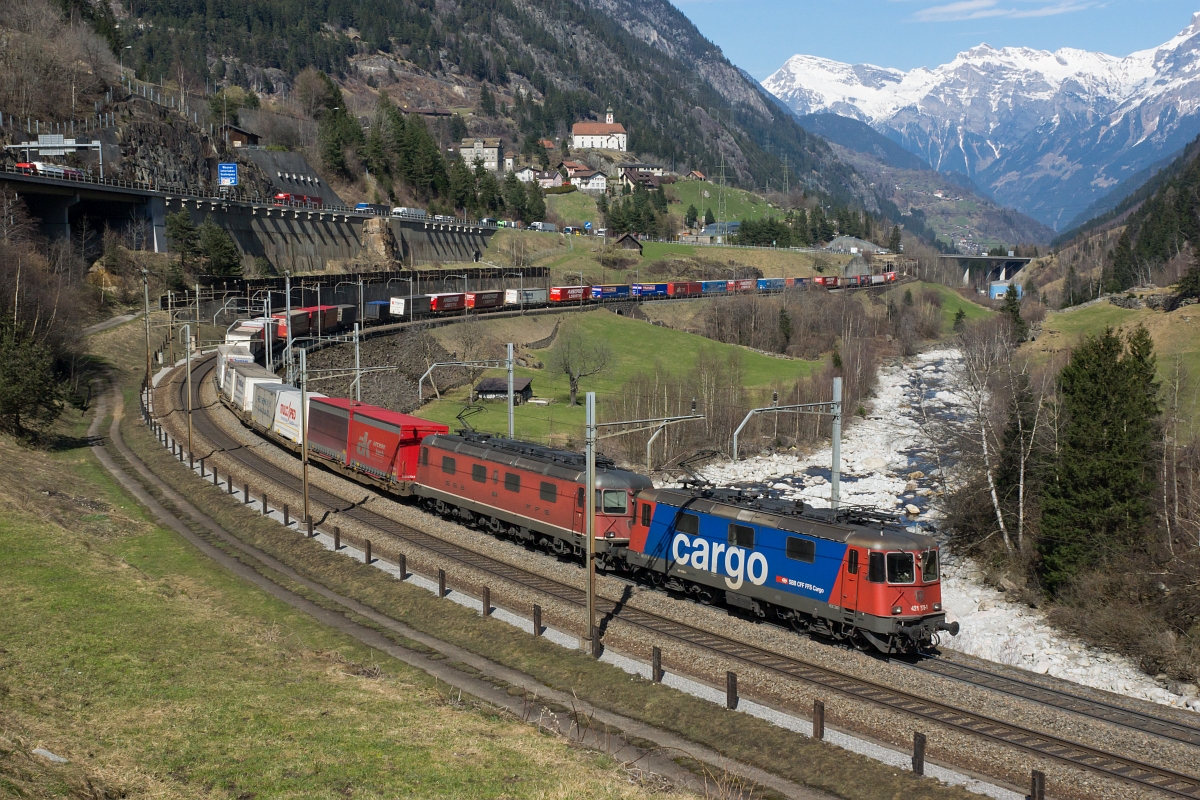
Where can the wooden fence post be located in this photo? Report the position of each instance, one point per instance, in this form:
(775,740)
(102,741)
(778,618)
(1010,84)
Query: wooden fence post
(264,511)
(731,692)
(287,515)
(818,719)
(656,670)
(311,532)
(246,493)
(402,563)
(1037,785)
(367,554)
(537,620)
(337,537)
(487,602)
(918,760)
(441,583)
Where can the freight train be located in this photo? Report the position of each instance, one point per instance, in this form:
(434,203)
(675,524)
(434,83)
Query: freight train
(853,574)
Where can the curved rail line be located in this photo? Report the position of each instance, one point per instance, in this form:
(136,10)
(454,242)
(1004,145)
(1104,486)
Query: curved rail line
(1061,699)
(1065,751)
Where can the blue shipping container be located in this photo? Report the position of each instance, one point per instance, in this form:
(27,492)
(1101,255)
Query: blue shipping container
(713,287)
(771,284)
(649,290)
(610,291)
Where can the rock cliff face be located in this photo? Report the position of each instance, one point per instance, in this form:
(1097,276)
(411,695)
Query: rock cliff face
(157,144)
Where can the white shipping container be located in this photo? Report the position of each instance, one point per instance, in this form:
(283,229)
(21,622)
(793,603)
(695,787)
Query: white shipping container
(247,376)
(231,353)
(515,297)
(287,413)
(265,403)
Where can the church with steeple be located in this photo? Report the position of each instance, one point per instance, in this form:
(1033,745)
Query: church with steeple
(607,135)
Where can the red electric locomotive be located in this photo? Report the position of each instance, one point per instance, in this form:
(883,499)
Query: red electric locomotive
(532,492)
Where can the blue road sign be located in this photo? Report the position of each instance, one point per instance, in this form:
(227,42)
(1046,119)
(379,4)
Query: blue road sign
(587,226)
(227,174)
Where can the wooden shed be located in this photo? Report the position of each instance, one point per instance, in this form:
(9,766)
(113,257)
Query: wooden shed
(497,389)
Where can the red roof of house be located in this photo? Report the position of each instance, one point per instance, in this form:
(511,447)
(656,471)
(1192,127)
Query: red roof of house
(596,128)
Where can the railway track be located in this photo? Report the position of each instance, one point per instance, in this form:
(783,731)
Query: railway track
(1075,754)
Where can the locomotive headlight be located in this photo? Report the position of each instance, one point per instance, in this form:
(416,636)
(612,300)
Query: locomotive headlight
(897,609)
(610,535)
(937,606)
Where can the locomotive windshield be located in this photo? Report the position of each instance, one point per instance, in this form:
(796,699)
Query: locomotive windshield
(929,566)
(900,568)
(615,502)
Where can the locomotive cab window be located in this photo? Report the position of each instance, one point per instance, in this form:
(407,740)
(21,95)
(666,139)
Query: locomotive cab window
(548,492)
(929,566)
(479,473)
(852,564)
(876,572)
(448,465)
(741,536)
(900,568)
(579,498)
(801,549)
(688,523)
(615,501)
(512,481)
(425,456)
(646,511)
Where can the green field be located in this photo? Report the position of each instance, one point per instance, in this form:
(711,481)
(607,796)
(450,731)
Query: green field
(574,208)
(952,301)
(636,347)
(739,204)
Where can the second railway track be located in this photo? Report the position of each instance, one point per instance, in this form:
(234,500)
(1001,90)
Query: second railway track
(1034,742)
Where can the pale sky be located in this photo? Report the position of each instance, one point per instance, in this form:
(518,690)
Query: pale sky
(759,35)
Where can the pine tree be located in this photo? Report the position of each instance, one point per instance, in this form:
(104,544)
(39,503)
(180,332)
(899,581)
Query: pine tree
(487,103)
(894,239)
(1189,284)
(1098,499)
(182,235)
(514,196)
(1123,272)
(709,219)
(535,203)
(1012,307)
(219,250)
(461,192)
(689,218)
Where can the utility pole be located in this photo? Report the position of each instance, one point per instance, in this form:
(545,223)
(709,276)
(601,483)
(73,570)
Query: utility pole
(304,428)
(287,282)
(786,185)
(146,289)
(835,478)
(187,349)
(722,225)
(511,435)
(358,371)
(590,520)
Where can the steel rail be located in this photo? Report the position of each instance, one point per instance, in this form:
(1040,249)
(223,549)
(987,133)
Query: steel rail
(1048,746)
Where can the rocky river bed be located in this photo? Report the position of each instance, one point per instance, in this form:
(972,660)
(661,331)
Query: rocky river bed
(889,463)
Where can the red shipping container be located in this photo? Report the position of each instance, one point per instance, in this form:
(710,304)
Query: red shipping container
(386,444)
(489,299)
(747,285)
(447,301)
(566,294)
(683,289)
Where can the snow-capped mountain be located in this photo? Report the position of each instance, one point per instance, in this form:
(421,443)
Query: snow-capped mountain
(1047,133)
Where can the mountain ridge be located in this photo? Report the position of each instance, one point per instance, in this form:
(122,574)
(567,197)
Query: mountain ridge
(1048,133)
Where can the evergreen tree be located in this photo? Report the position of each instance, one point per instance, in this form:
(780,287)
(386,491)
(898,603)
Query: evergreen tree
(1098,500)
(960,319)
(461,192)
(31,393)
(487,103)
(894,239)
(514,196)
(1122,274)
(709,219)
(219,250)
(1012,307)
(535,203)
(182,235)
(785,327)
(689,217)
(1189,284)
(602,205)
(1072,292)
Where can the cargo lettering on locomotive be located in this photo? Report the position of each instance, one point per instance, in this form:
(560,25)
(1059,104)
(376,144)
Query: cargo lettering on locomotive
(699,557)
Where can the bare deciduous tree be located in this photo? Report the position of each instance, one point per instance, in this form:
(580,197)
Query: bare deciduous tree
(578,356)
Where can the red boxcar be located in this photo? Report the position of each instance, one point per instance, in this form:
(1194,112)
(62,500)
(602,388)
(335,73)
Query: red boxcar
(747,285)
(683,289)
(385,444)
(830,282)
(488,299)
(566,294)
(890,276)
(447,301)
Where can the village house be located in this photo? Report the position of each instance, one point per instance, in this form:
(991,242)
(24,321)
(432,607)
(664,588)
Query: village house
(607,135)
(485,150)
(657,170)
(694,175)
(589,180)
(571,167)
(632,178)
(238,137)
(510,161)
(526,174)
(497,389)
(549,179)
